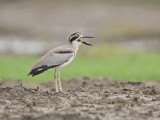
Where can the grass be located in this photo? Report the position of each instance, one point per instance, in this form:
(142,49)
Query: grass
(131,67)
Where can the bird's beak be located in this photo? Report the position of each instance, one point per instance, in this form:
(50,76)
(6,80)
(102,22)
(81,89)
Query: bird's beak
(86,37)
(84,41)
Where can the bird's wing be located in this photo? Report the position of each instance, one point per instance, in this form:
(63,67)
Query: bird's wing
(54,57)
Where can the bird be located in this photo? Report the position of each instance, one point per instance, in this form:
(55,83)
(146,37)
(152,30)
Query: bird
(58,58)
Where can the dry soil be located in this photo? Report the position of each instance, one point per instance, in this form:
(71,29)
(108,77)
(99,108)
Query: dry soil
(82,99)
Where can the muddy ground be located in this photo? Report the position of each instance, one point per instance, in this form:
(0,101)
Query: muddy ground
(83,99)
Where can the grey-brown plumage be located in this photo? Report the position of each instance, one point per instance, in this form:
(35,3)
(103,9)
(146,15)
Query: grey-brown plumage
(59,57)
(53,58)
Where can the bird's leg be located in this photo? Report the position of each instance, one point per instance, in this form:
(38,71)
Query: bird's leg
(59,81)
(55,78)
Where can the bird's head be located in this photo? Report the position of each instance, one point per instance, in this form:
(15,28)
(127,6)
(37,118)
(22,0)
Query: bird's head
(75,39)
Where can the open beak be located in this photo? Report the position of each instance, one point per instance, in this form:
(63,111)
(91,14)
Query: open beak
(84,41)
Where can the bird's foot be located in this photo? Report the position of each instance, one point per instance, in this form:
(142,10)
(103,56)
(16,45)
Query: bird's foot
(61,90)
(63,93)
(57,90)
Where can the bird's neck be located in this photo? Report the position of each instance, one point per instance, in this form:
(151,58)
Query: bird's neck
(75,47)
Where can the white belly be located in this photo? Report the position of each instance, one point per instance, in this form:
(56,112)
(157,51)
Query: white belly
(66,63)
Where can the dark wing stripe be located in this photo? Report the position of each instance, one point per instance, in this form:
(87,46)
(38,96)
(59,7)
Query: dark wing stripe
(41,69)
(64,52)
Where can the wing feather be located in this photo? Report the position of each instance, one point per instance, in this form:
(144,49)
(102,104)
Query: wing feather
(51,59)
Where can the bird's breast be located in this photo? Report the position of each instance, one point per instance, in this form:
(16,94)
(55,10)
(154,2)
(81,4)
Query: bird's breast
(66,63)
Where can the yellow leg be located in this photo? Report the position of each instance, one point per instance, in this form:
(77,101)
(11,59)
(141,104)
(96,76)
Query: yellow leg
(59,81)
(55,78)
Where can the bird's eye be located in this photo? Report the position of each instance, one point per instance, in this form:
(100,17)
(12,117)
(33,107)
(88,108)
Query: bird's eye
(79,40)
(77,35)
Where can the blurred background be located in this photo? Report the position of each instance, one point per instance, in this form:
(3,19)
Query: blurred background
(126,44)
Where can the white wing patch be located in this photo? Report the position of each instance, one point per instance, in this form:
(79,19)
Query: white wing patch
(39,69)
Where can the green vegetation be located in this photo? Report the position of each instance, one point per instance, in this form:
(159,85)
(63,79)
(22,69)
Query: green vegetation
(132,67)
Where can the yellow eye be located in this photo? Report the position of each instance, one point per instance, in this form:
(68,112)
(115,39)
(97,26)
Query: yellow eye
(77,35)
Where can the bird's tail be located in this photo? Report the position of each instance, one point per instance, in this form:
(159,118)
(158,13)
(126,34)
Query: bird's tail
(39,70)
